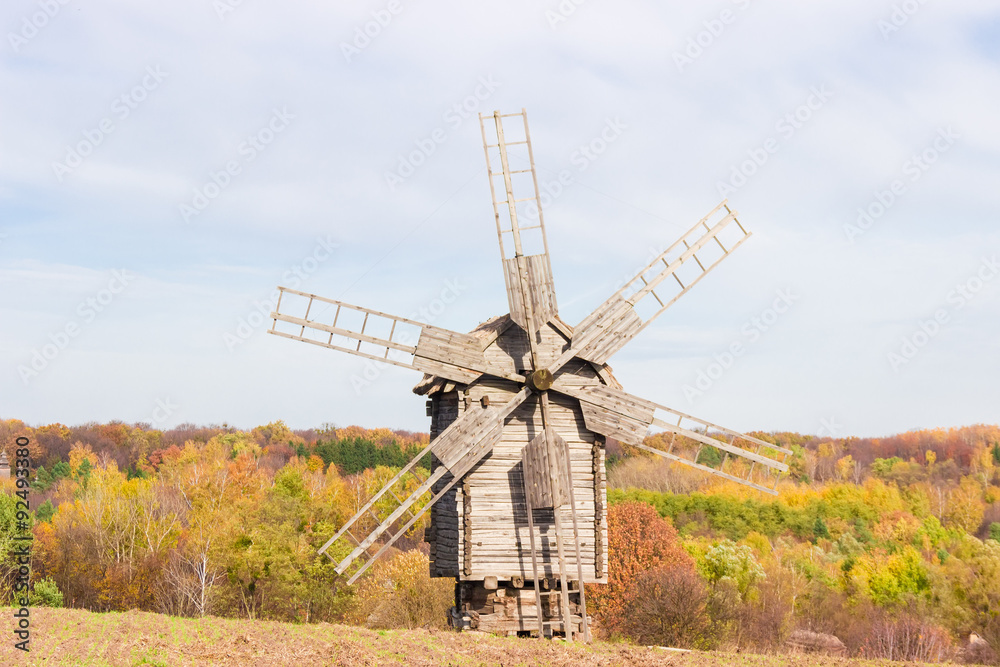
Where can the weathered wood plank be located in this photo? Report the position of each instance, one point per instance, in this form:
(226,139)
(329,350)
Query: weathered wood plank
(476,425)
(487,531)
(541,291)
(451,348)
(619,427)
(606,329)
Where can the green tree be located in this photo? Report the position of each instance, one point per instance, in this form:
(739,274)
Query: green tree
(46,594)
(729,561)
(61,470)
(710,456)
(43,479)
(883,467)
(45,511)
(820,531)
(888,580)
(8,534)
(270,559)
(133,472)
(83,472)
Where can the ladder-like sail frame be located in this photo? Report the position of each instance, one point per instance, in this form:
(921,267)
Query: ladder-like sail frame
(528,277)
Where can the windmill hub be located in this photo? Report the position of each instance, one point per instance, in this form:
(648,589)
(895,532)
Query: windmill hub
(542,379)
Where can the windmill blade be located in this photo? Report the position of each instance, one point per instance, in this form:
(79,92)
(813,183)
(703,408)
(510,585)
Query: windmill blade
(459,448)
(374,335)
(644,298)
(617,414)
(510,165)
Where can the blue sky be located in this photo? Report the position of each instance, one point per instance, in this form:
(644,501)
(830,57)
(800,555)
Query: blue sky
(801,113)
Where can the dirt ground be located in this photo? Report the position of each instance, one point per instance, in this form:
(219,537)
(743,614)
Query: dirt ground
(77,638)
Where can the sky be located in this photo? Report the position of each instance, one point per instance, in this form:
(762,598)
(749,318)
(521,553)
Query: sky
(165,166)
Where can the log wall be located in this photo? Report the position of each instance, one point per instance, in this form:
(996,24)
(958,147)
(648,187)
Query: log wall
(480,528)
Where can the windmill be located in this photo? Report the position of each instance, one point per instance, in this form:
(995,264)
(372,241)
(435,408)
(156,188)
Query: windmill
(521,409)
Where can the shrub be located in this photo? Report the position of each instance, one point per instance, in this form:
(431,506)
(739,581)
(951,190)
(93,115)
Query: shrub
(765,620)
(906,637)
(671,609)
(891,579)
(399,593)
(728,561)
(639,540)
(46,594)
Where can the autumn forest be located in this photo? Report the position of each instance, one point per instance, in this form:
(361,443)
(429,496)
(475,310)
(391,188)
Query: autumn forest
(891,546)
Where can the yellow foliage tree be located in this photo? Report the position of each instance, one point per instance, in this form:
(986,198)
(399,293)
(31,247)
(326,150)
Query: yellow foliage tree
(104,545)
(275,433)
(80,452)
(845,468)
(399,593)
(965,507)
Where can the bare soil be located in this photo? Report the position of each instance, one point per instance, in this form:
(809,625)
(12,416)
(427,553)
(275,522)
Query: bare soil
(78,638)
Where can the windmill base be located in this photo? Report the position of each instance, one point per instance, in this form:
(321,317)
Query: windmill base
(507,609)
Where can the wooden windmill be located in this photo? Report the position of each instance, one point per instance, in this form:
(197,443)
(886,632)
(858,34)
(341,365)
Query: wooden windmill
(520,411)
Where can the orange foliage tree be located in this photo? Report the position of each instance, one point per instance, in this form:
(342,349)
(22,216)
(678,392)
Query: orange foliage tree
(639,540)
